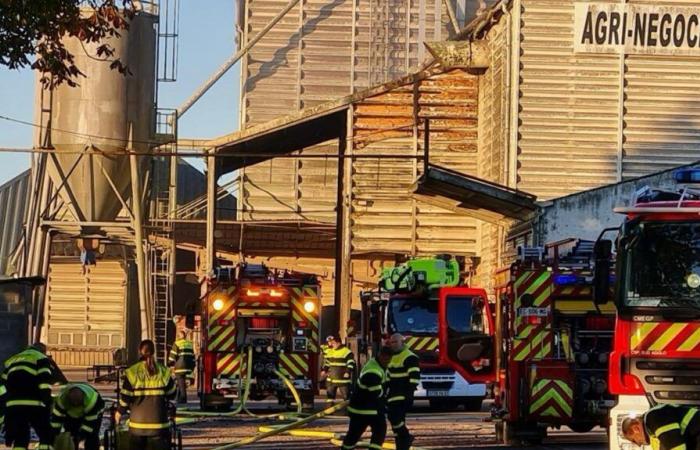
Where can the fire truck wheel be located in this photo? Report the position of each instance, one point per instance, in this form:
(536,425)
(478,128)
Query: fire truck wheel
(443,405)
(581,427)
(473,404)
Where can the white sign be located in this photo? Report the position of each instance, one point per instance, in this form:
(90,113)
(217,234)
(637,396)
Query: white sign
(533,312)
(636,29)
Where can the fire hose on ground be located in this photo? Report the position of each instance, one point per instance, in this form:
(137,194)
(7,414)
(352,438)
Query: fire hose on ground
(298,419)
(242,406)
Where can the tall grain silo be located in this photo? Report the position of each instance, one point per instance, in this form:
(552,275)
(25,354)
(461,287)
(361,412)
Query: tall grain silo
(88,314)
(107,113)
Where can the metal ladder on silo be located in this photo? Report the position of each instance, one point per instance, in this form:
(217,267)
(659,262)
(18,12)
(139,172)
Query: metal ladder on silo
(160,260)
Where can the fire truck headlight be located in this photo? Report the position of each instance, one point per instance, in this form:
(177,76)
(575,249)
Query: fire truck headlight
(309,306)
(218,304)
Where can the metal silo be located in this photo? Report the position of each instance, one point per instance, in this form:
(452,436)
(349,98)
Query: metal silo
(106,114)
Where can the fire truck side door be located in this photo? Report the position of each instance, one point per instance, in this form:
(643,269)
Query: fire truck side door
(466,333)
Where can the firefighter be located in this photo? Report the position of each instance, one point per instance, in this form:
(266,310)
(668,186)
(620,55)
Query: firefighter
(146,390)
(666,427)
(339,364)
(183,362)
(78,409)
(367,404)
(25,398)
(403,376)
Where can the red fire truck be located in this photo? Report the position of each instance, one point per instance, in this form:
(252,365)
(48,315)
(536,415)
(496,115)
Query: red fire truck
(656,356)
(551,342)
(272,314)
(406,302)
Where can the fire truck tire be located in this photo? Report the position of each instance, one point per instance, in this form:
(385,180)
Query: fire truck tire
(209,402)
(520,434)
(473,404)
(581,427)
(443,405)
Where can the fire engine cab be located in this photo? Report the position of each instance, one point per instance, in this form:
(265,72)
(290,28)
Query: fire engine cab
(268,317)
(551,343)
(406,302)
(656,354)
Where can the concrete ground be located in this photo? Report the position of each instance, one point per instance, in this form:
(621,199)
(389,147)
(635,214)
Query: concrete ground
(432,429)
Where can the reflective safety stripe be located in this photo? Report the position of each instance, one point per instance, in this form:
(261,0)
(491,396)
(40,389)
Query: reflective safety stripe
(123,403)
(44,386)
(396,398)
(679,447)
(25,403)
(148,392)
(340,380)
(397,374)
(148,426)
(127,392)
(362,412)
(93,417)
(56,425)
(687,418)
(398,425)
(3,390)
(87,428)
(369,388)
(375,446)
(57,412)
(29,370)
(667,428)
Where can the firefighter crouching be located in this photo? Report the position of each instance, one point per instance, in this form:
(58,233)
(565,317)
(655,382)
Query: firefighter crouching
(78,410)
(183,362)
(366,408)
(403,376)
(339,364)
(25,398)
(666,427)
(146,391)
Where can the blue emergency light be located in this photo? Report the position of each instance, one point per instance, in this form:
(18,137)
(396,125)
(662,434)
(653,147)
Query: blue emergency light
(568,279)
(687,176)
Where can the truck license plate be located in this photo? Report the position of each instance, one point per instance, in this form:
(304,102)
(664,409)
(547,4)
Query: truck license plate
(438,393)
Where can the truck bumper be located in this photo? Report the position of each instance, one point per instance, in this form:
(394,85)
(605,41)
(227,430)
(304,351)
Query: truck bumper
(447,386)
(627,406)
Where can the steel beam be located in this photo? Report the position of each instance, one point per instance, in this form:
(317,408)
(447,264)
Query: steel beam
(187,104)
(343,260)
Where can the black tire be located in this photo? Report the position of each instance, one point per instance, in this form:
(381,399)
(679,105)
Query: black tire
(442,404)
(474,404)
(581,427)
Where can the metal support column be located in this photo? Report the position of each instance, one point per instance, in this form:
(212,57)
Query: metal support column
(147,325)
(343,261)
(211,215)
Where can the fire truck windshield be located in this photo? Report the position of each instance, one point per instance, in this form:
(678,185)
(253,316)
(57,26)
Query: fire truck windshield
(413,316)
(661,266)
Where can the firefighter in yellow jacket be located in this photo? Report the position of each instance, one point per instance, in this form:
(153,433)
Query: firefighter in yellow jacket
(182,360)
(78,410)
(25,398)
(339,364)
(146,390)
(403,376)
(665,427)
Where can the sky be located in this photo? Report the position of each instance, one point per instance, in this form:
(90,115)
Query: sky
(206,40)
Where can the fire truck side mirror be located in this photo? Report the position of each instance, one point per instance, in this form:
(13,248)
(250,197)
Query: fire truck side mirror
(601,273)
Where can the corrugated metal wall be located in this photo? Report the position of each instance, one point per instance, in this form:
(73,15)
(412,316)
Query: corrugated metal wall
(318,52)
(594,119)
(14,198)
(569,106)
(385,217)
(493,141)
(86,314)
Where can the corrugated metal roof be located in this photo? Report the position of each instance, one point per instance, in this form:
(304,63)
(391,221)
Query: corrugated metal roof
(14,198)
(473,196)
